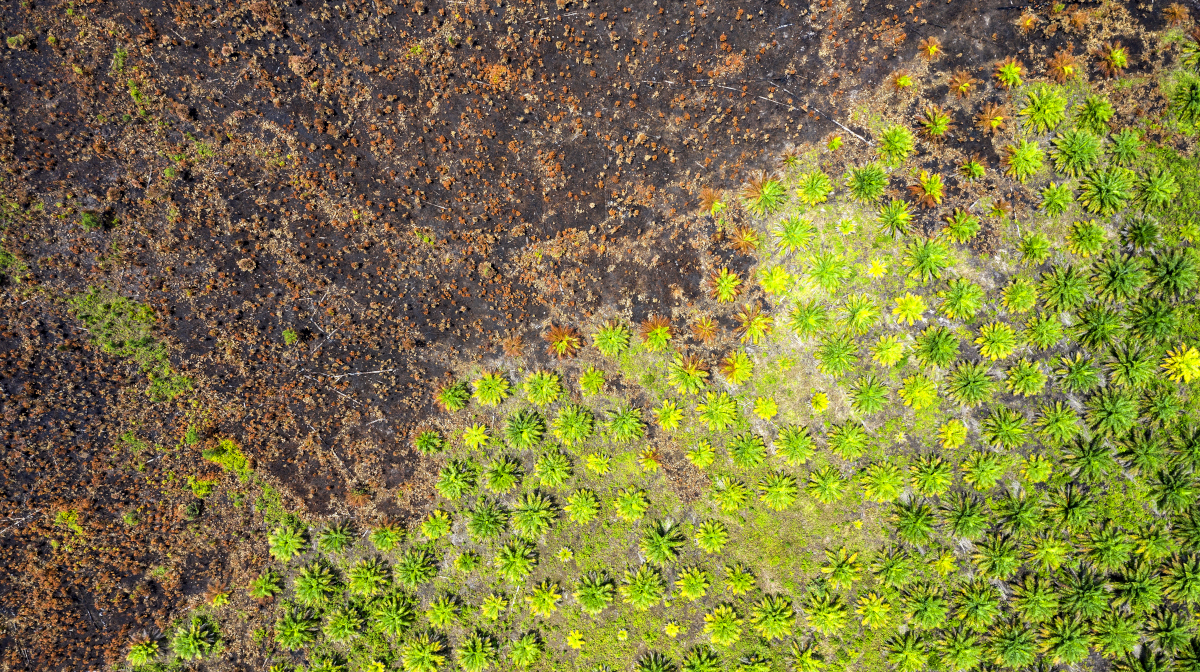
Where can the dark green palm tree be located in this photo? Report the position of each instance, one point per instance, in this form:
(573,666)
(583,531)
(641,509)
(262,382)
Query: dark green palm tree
(913,521)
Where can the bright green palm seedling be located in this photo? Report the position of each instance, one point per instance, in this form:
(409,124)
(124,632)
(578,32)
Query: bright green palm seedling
(764,194)
(1023,160)
(795,234)
(1020,296)
(502,474)
(553,469)
(896,143)
(574,424)
(437,525)
(1064,288)
(422,653)
(1093,114)
(718,411)
(895,218)
(476,653)
(859,314)
(936,122)
(828,270)
(1078,374)
(1035,249)
(591,380)
(936,346)
(642,589)
(972,168)
(693,584)
(1056,198)
(730,494)
(286,542)
(343,624)
(723,625)
(1057,423)
(1157,189)
(335,538)
(1075,152)
(1045,109)
(524,429)
(626,425)
(1098,326)
(961,226)
(808,319)
(836,354)
(775,280)
(882,481)
(1106,191)
(909,308)
(1008,76)
(594,593)
(753,323)
(542,387)
(918,391)
(196,638)
(813,188)
(962,300)
(612,339)
(660,542)
(532,515)
(491,389)
(1119,277)
(415,568)
(142,653)
(1112,411)
(266,585)
(931,475)
(543,599)
(295,629)
(841,568)
(772,617)
(952,434)
(1182,364)
(668,414)
(848,440)
(737,367)
(778,491)
(368,577)
(582,506)
(929,190)
(429,442)
(386,537)
(1132,366)
(927,258)
(1175,273)
(656,333)
(453,397)
(825,611)
(868,395)
(983,469)
(1124,146)
(515,561)
(997,340)
(794,445)
(724,285)
(866,184)
(874,610)
(747,451)
(888,350)
(711,536)
(456,479)
(1005,428)
(1037,469)
(315,584)
(630,504)
(970,384)
(526,651)
(476,436)
(1044,331)
(392,615)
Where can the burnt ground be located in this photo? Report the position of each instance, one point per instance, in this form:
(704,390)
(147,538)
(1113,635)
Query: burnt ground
(411,187)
